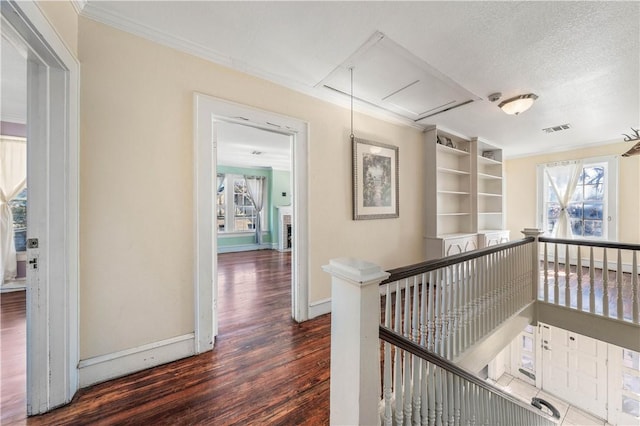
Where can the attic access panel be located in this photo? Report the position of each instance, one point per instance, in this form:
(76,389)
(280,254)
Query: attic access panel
(390,77)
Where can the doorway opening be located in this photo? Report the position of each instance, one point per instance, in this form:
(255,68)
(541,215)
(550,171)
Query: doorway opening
(254,208)
(212,115)
(52,95)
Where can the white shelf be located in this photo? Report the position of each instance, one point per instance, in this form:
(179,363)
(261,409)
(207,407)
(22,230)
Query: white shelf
(454,214)
(488,194)
(452,171)
(489,212)
(454,193)
(487,176)
(485,160)
(449,150)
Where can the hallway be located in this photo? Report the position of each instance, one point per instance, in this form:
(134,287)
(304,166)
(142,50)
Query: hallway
(265,368)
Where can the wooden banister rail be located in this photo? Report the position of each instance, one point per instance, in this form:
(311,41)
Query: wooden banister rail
(431,265)
(592,243)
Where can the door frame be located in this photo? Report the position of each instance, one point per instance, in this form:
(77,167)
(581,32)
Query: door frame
(53,178)
(208,111)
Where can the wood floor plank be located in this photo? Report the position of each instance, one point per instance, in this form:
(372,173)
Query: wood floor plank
(265,368)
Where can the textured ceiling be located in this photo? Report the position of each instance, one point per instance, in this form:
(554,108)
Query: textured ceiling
(581,58)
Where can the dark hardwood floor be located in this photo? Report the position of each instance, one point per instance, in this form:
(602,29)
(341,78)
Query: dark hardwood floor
(264,369)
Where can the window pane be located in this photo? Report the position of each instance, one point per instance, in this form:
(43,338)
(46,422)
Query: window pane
(551,194)
(527,343)
(593,175)
(631,383)
(593,228)
(631,359)
(594,192)
(553,210)
(527,362)
(593,211)
(630,406)
(576,226)
(575,210)
(19,209)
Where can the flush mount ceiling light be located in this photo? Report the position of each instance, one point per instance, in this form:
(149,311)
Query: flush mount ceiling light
(518,104)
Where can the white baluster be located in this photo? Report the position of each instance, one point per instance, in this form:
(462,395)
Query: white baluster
(406,329)
(579,273)
(634,286)
(431,386)
(439,393)
(546,273)
(619,282)
(431,326)
(556,288)
(397,387)
(415,319)
(397,327)
(416,389)
(458,392)
(605,284)
(424,330)
(387,385)
(592,281)
(567,275)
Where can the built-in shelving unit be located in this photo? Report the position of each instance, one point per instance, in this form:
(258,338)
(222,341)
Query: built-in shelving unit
(490,185)
(450,213)
(464,206)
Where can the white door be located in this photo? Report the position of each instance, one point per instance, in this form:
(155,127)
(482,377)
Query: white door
(574,368)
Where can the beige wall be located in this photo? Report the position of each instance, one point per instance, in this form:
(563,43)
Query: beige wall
(522,187)
(137,184)
(64,19)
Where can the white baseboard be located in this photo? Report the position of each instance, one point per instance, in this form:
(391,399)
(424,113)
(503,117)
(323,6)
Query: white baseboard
(320,307)
(243,247)
(117,364)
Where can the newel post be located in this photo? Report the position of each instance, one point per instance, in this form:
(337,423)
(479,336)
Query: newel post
(535,259)
(355,347)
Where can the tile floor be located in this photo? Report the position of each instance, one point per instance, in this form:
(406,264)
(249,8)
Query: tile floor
(569,415)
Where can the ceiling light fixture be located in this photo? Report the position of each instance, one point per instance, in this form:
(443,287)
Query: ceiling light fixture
(518,104)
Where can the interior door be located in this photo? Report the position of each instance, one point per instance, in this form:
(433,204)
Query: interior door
(575,369)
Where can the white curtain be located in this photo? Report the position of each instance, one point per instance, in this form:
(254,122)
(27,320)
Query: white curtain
(563,178)
(13,179)
(255,188)
(220,183)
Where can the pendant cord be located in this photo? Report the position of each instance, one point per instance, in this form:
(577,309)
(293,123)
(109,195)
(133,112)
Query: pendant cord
(351,70)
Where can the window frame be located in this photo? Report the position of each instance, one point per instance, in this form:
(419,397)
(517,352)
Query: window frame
(230,205)
(610,199)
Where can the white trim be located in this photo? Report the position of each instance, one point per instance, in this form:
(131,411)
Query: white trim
(53,126)
(94,10)
(244,247)
(106,367)
(319,307)
(208,112)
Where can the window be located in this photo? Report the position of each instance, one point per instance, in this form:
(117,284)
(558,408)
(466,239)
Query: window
(234,208)
(580,193)
(631,382)
(19,209)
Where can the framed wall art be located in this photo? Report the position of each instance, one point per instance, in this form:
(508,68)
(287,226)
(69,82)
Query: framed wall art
(375,180)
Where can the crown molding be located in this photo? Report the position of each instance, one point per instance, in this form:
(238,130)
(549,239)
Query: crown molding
(78,5)
(94,11)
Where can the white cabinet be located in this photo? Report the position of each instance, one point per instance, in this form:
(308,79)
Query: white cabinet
(464,206)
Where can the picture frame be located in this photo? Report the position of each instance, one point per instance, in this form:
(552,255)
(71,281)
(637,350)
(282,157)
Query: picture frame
(375,180)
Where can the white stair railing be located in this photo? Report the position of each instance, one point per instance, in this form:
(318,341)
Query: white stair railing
(597,277)
(448,305)
(421,388)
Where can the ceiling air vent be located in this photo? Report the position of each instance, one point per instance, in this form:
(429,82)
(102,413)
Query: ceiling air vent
(557,128)
(390,77)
